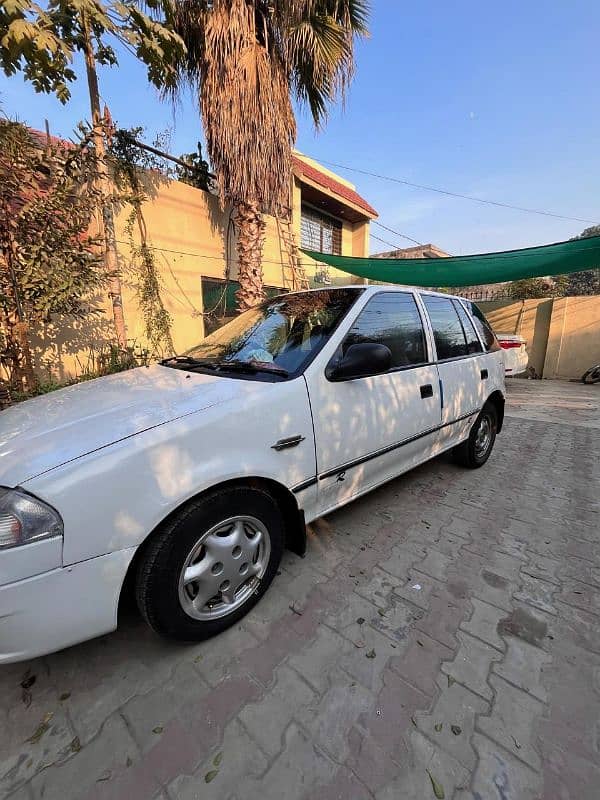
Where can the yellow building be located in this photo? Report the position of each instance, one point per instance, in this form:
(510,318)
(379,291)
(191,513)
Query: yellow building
(193,242)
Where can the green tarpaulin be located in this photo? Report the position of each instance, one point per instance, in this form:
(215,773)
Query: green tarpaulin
(509,265)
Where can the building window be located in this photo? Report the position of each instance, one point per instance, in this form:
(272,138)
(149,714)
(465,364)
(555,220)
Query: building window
(219,302)
(320,231)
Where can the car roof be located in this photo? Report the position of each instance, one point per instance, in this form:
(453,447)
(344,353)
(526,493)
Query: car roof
(377,288)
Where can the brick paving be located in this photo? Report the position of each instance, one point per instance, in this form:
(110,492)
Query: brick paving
(444,642)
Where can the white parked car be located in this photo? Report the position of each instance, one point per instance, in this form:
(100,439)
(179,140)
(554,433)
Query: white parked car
(187,479)
(515,353)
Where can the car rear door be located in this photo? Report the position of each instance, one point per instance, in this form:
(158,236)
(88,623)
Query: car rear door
(461,365)
(369,429)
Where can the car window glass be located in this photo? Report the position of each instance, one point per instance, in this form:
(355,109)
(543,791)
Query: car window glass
(483,327)
(285,331)
(392,319)
(473,343)
(448,332)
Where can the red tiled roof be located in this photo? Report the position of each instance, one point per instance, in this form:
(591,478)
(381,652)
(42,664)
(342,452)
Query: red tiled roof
(302,169)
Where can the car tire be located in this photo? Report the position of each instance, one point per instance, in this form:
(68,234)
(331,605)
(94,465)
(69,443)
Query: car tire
(210,563)
(475,451)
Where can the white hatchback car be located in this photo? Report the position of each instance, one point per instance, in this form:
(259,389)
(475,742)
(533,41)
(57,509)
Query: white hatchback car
(187,479)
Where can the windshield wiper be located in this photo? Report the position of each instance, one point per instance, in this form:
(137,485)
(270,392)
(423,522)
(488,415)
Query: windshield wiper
(251,366)
(231,366)
(189,361)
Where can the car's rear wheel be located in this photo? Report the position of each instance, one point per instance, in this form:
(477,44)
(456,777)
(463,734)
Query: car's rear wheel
(475,451)
(211,563)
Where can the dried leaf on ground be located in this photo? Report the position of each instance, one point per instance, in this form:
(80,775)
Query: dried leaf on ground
(158,729)
(64,696)
(438,727)
(456,729)
(438,789)
(370,654)
(28,680)
(41,729)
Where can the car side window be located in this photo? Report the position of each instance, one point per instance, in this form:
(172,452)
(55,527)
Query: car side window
(392,319)
(473,343)
(448,333)
(483,327)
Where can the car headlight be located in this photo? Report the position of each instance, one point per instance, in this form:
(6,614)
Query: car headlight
(25,519)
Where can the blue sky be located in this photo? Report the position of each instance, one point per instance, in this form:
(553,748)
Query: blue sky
(497,100)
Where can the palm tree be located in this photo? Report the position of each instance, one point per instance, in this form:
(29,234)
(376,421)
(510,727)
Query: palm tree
(248,60)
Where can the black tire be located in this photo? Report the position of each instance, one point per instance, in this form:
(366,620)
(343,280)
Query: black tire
(162,562)
(592,375)
(468,453)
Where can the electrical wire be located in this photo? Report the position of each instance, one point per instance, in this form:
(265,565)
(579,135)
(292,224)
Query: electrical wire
(396,233)
(448,193)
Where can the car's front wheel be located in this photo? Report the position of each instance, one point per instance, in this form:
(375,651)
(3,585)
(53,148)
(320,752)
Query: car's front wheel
(211,563)
(475,451)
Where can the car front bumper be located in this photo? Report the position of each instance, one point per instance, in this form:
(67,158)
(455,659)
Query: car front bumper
(61,607)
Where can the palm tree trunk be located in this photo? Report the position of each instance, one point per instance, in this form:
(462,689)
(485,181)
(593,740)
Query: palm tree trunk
(104,217)
(250,242)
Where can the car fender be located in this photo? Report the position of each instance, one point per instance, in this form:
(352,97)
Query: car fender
(113,498)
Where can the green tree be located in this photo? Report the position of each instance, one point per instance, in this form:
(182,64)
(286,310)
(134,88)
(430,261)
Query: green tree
(49,262)
(247,60)
(41,41)
(196,172)
(587,281)
(528,288)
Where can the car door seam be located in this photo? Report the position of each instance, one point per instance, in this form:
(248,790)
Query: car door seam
(389,448)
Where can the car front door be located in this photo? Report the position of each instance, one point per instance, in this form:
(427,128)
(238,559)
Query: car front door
(369,429)
(461,365)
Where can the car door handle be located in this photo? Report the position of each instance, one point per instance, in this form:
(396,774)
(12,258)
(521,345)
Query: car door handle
(426,391)
(484,374)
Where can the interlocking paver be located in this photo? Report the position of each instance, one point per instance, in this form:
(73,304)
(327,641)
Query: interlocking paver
(451,721)
(472,664)
(436,601)
(523,665)
(483,623)
(512,723)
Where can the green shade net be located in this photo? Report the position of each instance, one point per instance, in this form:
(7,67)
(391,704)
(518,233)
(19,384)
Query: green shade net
(509,265)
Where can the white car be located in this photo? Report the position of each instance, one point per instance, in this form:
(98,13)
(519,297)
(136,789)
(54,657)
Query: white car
(515,353)
(187,479)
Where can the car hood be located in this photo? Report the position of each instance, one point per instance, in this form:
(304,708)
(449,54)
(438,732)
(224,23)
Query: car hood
(50,430)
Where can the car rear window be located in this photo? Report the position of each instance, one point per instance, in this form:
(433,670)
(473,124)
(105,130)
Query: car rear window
(483,327)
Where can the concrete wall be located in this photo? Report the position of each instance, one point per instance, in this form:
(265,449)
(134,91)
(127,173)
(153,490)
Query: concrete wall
(563,334)
(191,237)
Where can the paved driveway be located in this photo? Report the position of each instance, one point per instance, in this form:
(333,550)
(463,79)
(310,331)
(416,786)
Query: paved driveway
(440,639)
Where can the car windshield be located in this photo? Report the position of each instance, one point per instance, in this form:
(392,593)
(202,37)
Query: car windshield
(279,335)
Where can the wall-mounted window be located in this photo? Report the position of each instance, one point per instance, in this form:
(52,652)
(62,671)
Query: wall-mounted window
(320,231)
(219,303)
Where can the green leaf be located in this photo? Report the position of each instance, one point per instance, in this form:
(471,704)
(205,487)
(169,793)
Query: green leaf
(64,696)
(210,776)
(371,654)
(438,789)
(217,759)
(438,727)
(159,729)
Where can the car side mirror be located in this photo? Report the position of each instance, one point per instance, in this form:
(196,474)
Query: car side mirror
(360,361)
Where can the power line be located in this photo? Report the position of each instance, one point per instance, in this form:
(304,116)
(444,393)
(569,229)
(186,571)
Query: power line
(396,233)
(385,241)
(436,189)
